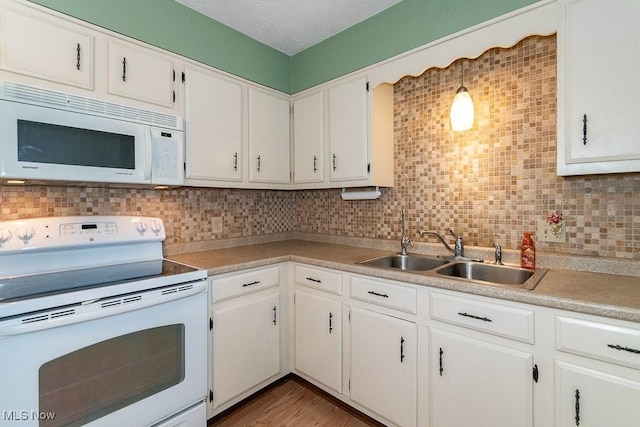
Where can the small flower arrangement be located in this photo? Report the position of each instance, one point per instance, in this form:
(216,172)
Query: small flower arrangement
(555,221)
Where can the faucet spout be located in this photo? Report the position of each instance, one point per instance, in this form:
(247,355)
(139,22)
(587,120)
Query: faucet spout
(458,247)
(422,233)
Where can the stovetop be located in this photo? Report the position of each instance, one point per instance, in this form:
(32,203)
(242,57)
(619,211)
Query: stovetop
(44,284)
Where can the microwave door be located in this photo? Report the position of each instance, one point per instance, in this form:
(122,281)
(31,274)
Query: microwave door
(52,144)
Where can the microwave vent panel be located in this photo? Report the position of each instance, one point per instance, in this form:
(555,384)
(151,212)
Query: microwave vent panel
(64,101)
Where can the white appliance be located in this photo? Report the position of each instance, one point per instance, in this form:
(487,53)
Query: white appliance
(96,328)
(48,135)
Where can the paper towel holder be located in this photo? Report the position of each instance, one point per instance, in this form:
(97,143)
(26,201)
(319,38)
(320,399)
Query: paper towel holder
(360,194)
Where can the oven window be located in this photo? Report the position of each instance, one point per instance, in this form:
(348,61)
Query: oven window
(94,381)
(64,145)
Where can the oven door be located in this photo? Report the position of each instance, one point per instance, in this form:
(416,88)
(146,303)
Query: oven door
(134,367)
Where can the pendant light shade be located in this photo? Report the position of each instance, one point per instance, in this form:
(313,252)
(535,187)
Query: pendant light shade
(462,111)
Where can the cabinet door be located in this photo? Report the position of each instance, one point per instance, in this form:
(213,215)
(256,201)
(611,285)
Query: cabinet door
(268,137)
(596,78)
(141,74)
(590,398)
(383,365)
(474,383)
(318,338)
(246,345)
(213,126)
(348,130)
(54,50)
(308,138)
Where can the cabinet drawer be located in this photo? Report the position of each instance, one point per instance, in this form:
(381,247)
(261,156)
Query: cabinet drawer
(318,279)
(244,283)
(602,341)
(495,319)
(386,294)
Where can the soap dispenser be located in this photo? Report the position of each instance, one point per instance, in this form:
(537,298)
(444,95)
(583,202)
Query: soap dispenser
(528,252)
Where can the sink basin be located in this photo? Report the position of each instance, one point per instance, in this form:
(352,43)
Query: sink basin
(498,274)
(409,262)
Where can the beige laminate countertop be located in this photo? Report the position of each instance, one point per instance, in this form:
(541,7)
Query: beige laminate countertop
(599,294)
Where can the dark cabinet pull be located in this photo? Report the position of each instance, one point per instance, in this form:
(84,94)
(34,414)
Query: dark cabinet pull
(78,57)
(577,407)
(258,163)
(330,322)
(484,319)
(315,164)
(311,279)
(621,348)
(124,69)
(275,315)
(235,161)
(441,353)
(584,129)
(251,283)
(334,161)
(378,295)
(401,349)
(536,373)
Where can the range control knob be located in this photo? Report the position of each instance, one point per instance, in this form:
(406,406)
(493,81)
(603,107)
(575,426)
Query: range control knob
(5,236)
(156,228)
(26,234)
(141,228)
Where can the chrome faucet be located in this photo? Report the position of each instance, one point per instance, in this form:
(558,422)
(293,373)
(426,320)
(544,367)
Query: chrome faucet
(458,251)
(498,254)
(404,240)
(458,247)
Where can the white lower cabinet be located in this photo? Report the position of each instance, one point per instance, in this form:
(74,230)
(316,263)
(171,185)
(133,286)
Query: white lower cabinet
(383,368)
(410,355)
(476,383)
(591,397)
(245,335)
(318,338)
(246,346)
(597,371)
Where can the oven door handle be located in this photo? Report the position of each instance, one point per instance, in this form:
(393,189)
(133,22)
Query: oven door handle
(96,309)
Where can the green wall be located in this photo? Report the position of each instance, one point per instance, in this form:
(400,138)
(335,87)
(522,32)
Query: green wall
(407,25)
(169,25)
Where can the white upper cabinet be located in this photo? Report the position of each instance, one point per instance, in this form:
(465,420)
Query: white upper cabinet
(51,49)
(360,134)
(214,126)
(343,135)
(598,68)
(269,139)
(141,74)
(308,138)
(348,130)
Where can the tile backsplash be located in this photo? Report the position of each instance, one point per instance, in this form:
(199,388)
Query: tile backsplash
(490,183)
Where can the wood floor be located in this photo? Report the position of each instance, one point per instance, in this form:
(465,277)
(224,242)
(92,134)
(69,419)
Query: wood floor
(292,402)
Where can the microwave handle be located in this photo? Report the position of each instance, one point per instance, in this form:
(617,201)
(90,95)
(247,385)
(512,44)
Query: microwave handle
(148,153)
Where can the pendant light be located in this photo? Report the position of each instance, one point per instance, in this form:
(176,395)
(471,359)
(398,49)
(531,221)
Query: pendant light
(462,106)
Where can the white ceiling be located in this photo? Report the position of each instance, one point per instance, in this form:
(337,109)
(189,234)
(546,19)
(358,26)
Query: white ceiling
(289,26)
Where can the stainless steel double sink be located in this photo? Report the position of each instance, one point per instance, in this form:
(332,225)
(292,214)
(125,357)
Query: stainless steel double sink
(478,272)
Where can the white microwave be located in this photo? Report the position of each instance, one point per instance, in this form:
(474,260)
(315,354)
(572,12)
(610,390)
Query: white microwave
(48,135)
